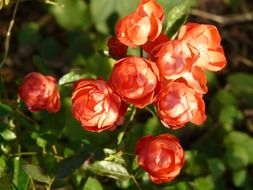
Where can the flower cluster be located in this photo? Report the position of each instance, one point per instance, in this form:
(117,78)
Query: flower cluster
(171,76)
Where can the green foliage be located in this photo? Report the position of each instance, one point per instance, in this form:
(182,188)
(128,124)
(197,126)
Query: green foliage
(72,14)
(36,173)
(110,169)
(74,76)
(53,151)
(177,17)
(92,183)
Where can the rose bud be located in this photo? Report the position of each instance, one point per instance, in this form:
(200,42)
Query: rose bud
(178,104)
(40,92)
(117,50)
(142,25)
(135,80)
(161,156)
(96,106)
(205,42)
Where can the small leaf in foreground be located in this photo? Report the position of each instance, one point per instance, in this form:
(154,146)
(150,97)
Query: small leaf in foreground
(36,173)
(74,76)
(177,17)
(92,184)
(110,169)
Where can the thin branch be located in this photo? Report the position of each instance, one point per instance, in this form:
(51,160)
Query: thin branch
(8,35)
(136,183)
(223,20)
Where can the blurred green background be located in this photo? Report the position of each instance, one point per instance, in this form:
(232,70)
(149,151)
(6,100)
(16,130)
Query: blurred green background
(65,39)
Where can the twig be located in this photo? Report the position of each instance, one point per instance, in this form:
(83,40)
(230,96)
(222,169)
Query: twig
(136,183)
(223,20)
(8,35)
(245,61)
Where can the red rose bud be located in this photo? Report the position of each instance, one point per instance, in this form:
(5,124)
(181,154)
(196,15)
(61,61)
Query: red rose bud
(40,92)
(178,104)
(161,156)
(135,80)
(96,106)
(117,50)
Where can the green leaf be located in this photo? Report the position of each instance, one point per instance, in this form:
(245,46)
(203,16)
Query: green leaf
(222,99)
(236,157)
(2,165)
(74,76)
(5,110)
(196,163)
(184,185)
(8,135)
(240,177)
(92,184)
(20,179)
(68,165)
(216,167)
(6,182)
(72,14)
(241,85)
(36,173)
(41,142)
(229,115)
(243,140)
(204,183)
(110,169)
(177,17)
(106,12)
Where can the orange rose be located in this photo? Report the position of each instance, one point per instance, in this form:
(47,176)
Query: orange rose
(117,50)
(173,59)
(135,80)
(40,92)
(161,156)
(142,25)
(150,45)
(178,104)
(96,106)
(205,42)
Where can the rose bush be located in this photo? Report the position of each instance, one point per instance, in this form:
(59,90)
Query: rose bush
(96,106)
(161,156)
(40,92)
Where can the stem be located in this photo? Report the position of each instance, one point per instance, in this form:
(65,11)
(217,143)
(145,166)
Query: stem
(141,52)
(123,133)
(23,154)
(8,35)
(151,111)
(136,183)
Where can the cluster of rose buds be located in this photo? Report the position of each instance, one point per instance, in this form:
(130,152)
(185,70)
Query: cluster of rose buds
(171,77)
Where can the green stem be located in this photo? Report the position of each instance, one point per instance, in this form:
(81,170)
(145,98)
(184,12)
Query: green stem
(141,52)
(123,133)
